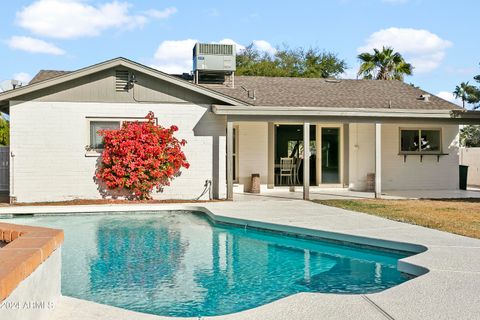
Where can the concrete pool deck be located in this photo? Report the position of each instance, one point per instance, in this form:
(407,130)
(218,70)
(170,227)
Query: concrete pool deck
(448,291)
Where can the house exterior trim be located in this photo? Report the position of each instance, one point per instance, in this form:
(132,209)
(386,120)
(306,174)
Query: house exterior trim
(12,94)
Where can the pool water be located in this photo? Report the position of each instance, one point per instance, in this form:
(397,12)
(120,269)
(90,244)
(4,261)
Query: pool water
(181,264)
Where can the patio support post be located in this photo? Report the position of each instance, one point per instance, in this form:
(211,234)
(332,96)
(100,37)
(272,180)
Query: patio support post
(271,156)
(229,160)
(306,161)
(378,160)
(346,155)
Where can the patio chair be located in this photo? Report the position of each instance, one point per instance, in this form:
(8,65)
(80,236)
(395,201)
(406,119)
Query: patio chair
(298,163)
(286,170)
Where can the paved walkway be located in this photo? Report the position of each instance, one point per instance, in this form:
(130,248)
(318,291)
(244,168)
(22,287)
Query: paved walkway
(448,291)
(323,193)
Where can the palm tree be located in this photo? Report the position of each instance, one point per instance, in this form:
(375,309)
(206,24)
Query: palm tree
(467,93)
(383,65)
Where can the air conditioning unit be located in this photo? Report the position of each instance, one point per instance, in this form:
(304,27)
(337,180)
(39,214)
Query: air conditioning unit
(214,57)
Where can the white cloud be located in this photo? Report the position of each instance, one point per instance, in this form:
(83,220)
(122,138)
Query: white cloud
(423,49)
(175,56)
(449,97)
(34,45)
(350,73)
(23,77)
(67,19)
(162,14)
(264,46)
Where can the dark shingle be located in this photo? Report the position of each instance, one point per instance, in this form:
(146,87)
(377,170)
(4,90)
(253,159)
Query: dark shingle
(47,74)
(317,92)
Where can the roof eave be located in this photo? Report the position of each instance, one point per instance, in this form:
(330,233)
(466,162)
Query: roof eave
(9,95)
(343,112)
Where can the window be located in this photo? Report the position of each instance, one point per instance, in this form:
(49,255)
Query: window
(96,141)
(420,141)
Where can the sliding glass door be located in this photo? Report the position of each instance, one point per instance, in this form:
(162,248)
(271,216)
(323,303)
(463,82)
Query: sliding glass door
(330,155)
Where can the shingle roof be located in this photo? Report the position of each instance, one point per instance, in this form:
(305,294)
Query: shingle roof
(318,92)
(47,74)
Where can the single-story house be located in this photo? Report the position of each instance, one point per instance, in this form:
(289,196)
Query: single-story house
(362,133)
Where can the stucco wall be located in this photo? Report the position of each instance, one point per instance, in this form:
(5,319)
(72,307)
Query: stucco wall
(252,152)
(48,140)
(36,297)
(398,174)
(361,153)
(413,173)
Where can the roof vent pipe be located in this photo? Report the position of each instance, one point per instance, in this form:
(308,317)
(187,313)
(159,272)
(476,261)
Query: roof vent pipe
(250,93)
(425,97)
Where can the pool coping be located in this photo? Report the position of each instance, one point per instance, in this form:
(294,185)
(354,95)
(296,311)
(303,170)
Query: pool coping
(26,248)
(418,264)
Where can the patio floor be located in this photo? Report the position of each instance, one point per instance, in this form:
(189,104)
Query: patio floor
(321,193)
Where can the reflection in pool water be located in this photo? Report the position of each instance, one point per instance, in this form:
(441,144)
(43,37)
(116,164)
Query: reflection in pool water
(179,264)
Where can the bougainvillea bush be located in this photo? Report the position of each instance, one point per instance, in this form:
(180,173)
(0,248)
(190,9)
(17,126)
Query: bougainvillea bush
(139,157)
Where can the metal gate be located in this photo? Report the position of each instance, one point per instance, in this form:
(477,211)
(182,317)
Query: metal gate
(4,169)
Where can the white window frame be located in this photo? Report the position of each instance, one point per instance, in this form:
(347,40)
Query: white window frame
(420,152)
(89,152)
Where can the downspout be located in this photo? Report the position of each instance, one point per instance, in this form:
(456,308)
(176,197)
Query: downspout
(12,198)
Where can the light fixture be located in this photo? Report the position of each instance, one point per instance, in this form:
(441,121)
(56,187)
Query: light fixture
(133,79)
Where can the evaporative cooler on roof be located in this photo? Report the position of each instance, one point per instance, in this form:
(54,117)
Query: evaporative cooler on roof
(214,57)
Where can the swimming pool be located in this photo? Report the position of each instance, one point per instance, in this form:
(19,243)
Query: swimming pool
(182,264)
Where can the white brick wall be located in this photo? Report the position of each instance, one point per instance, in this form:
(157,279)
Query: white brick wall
(49,138)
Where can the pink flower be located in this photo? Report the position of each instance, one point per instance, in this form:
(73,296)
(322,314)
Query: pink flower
(141,156)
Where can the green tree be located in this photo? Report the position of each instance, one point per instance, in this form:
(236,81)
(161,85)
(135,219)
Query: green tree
(322,64)
(466,92)
(475,98)
(4,131)
(286,62)
(385,64)
(470,136)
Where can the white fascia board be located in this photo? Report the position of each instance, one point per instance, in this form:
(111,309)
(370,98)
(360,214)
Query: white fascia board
(329,112)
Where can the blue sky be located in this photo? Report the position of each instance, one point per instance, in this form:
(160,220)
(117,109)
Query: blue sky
(438,37)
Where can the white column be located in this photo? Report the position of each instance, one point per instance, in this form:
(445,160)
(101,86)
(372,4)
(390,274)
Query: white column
(346,155)
(229,160)
(271,156)
(306,161)
(318,164)
(378,160)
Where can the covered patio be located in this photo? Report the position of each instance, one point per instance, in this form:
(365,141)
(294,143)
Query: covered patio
(379,151)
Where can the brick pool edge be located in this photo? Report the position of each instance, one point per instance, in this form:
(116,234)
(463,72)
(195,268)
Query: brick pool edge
(30,265)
